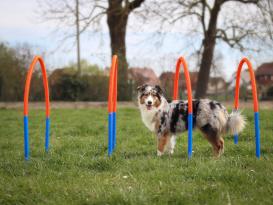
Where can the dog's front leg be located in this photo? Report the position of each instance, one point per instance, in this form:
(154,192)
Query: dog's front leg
(171,145)
(162,141)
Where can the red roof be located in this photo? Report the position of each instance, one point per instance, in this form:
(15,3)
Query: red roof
(265,69)
(143,75)
(168,77)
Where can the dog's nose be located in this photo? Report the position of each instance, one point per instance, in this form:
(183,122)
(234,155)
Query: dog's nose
(149,102)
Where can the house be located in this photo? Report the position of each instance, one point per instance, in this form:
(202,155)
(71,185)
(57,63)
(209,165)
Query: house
(244,80)
(139,76)
(264,80)
(167,80)
(245,85)
(216,85)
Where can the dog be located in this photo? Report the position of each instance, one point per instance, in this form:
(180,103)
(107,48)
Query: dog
(167,120)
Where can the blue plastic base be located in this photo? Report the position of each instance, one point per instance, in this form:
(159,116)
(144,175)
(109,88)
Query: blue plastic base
(114,131)
(189,136)
(257,134)
(26,136)
(111,132)
(236,139)
(26,141)
(47,134)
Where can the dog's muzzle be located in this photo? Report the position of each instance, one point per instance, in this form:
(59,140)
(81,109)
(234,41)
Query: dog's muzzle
(149,105)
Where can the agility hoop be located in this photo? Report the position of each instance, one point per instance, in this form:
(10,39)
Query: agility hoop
(182,61)
(255,102)
(112,105)
(47,104)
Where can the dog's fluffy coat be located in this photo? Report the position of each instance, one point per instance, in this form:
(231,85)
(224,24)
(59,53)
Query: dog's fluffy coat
(166,120)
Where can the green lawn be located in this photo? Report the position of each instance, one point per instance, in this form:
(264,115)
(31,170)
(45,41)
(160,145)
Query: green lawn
(78,171)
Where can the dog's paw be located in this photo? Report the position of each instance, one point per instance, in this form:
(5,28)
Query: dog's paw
(159,154)
(171,152)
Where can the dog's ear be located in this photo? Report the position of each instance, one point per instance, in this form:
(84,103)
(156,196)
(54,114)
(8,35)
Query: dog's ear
(159,90)
(141,88)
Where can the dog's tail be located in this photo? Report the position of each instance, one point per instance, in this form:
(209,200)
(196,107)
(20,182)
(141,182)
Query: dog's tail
(236,122)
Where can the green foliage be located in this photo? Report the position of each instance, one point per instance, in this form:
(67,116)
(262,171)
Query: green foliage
(11,75)
(13,68)
(270,92)
(77,169)
(96,88)
(68,86)
(86,68)
(64,83)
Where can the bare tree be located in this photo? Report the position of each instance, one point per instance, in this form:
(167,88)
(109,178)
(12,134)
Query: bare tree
(68,14)
(266,6)
(71,20)
(117,18)
(207,19)
(217,65)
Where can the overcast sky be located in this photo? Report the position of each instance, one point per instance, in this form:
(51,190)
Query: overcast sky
(19,24)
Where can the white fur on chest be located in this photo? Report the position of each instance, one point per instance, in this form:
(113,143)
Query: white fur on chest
(148,119)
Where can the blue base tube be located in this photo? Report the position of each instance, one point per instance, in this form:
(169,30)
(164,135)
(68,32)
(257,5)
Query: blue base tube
(26,136)
(114,131)
(110,133)
(236,139)
(189,136)
(26,141)
(257,134)
(47,134)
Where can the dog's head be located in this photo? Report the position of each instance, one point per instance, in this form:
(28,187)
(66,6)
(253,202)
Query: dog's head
(150,96)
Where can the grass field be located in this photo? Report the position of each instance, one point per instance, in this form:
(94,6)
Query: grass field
(78,171)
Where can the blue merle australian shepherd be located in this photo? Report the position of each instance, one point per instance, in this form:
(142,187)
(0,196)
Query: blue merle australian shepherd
(166,120)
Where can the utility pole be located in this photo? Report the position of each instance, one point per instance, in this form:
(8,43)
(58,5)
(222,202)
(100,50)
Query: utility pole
(78,38)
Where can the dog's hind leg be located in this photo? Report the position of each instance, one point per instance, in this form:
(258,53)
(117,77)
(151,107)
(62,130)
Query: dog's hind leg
(218,146)
(162,142)
(213,136)
(222,145)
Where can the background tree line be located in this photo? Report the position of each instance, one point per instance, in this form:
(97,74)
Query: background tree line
(241,24)
(64,83)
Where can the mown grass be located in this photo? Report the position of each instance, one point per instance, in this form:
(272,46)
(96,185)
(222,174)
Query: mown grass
(77,169)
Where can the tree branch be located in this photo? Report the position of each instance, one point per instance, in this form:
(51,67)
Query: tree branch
(244,1)
(134,4)
(202,18)
(235,39)
(92,20)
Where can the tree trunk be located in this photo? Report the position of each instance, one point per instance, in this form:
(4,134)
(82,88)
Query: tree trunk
(207,56)
(117,19)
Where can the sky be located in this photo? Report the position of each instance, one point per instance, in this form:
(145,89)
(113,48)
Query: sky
(20,23)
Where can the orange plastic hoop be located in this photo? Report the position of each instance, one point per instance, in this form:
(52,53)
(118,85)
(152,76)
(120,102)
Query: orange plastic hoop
(26,95)
(253,84)
(112,97)
(28,81)
(182,61)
